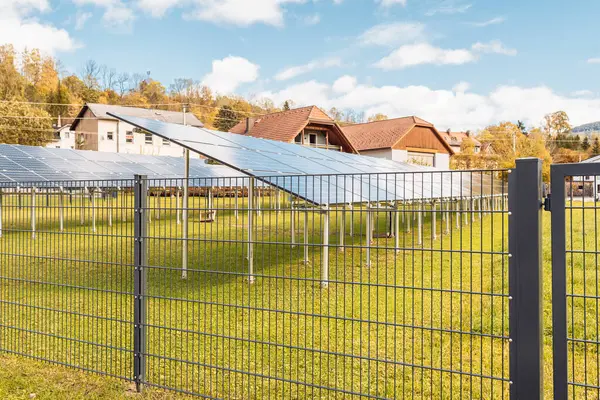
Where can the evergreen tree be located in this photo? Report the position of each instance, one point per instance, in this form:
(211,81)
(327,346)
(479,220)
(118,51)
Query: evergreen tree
(585,145)
(226,119)
(286,106)
(596,147)
(522,127)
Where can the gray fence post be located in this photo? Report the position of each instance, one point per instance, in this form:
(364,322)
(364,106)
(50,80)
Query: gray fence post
(140,263)
(525,280)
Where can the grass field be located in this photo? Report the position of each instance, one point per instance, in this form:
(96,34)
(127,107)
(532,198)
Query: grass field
(428,321)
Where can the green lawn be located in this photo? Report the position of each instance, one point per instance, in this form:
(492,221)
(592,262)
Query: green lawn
(371,331)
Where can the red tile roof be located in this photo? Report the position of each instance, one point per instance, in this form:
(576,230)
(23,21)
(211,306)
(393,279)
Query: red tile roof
(283,126)
(381,134)
(456,138)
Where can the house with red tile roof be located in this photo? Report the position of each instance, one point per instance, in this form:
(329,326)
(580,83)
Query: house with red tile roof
(308,126)
(455,140)
(408,139)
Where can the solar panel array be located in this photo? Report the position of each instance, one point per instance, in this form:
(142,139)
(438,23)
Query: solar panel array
(315,174)
(28,165)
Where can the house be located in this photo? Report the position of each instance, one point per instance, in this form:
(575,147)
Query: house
(455,140)
(64,138)
(407,139)
(96,130)
(307,126)
(585,186)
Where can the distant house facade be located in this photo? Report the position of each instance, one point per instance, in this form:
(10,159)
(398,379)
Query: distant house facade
(585,186)
(96,130)
(456,139)
(407,139)
(307,126)
(64,138)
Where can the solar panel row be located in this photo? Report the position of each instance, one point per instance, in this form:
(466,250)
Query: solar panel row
(316,174)
(22,165)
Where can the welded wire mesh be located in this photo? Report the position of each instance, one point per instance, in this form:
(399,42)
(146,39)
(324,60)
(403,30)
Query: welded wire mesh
(582,239)
(254,292)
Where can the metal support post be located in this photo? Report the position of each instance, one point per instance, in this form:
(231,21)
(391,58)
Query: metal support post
(33,190)
(250,230)
(139,285)
(184,212)
(525,280)
(61,211)
(342,228)
(325,257)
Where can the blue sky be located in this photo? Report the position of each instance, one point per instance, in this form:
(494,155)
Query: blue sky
(460,64)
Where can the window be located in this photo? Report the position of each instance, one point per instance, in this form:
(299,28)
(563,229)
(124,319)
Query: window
(109,135)
(312,138)
(166,142)
(298,138)
(427,159)
(67,135)
(148,138)
(129,137)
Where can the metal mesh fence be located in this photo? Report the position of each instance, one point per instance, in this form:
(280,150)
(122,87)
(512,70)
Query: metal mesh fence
(253,292)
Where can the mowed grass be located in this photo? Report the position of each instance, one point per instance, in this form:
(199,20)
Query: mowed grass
(429,320)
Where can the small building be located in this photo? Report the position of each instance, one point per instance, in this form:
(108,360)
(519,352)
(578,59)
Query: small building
(585,186)
(96,130)
(407,139)
(307,126)
(455,140)
(64,138)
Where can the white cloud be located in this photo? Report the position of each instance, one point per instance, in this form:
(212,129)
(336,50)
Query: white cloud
(595,60)
(81,18)
(423,53)
(389,3)
(449,8)
(116,13)
(344,84)
(493,21)
(445,108)
(292,72)
(20,28)
(392,34)
(312,19)
(242,12)
(582,93)
(229,73)
(157,8)
(461,87)
(495,46)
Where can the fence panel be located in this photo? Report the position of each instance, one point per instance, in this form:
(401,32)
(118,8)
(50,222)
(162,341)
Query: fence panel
(66,274)
(378,285)
(575,280)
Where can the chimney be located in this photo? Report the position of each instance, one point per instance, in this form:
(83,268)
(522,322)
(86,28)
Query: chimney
(59,123)
(448,131)
(468,133)
(249,124)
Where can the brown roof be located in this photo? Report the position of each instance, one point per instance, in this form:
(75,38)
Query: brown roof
(283,126)
(383,134)
(456,138)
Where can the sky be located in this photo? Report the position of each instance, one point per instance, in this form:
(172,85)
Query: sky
(461,64)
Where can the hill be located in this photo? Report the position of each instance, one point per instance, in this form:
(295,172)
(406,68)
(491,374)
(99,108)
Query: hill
(586,129)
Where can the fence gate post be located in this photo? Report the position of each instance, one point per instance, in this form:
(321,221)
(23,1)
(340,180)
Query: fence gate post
(525,280)
(140,263)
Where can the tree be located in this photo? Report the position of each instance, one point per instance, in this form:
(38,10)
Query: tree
(585,145)
(522,127)
(336,114)
(377,117)
(467,158)
(596,147)
(557,123)
(226,118)
(286,106)
(12,84)
(32,125)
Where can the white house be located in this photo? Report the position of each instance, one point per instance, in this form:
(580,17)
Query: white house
(96,130)
(64,138)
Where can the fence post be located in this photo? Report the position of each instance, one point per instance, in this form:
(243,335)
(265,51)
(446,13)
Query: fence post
(140,263)
(525,280)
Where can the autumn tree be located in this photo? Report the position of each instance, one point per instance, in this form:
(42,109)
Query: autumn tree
(377,117)
(24,124)
(468,158)
(12,83)
(557,123)
(226,119)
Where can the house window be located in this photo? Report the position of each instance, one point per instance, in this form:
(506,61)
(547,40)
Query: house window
(109,135)
(427,159)
(66,135)
(129,137)
(166,142)
(148,138)
(298,138)
(312,138)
